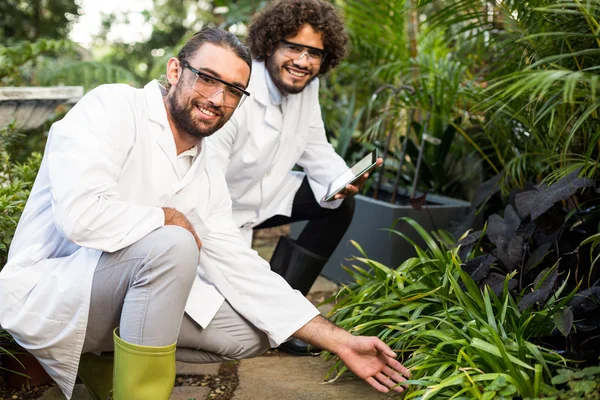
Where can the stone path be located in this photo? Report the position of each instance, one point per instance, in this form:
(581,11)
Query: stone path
(179,392)
(297,378)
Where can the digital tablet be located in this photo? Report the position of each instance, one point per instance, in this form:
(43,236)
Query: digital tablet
(351,176)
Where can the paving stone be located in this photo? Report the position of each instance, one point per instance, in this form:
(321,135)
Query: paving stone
(79,393)
(265,252)
(197,369)
(297,378)
(179,392)
(190,393)
(323,284)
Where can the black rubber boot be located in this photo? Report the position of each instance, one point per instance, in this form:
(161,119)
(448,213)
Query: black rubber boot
(298,347)
(298,266)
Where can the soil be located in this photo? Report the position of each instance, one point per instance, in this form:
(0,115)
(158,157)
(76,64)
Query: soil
(7,393)
(222,386)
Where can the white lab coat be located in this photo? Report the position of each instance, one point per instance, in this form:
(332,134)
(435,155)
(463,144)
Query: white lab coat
(257,152)
(109,167)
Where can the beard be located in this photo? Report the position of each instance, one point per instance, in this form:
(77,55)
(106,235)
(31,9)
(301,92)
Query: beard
(182,115)
(275,72)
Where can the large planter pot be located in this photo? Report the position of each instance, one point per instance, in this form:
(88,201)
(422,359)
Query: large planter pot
(372,217)
(30,107)
(23,370)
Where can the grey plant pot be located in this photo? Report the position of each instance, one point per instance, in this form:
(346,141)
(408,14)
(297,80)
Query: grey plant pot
(30,107)
(372,217)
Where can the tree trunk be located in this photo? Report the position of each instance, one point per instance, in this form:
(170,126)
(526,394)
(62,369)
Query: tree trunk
(37,18)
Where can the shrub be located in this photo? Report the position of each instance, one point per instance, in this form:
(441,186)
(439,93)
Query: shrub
(459,341)
(16,181)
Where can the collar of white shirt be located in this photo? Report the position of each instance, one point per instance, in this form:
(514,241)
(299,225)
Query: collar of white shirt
(274,93)
(185,160)
(158,112)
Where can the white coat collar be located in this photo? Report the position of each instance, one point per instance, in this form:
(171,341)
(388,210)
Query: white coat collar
(156,106)
(258,83)
(259,88)
(298,107)
(157,112)
(274,93)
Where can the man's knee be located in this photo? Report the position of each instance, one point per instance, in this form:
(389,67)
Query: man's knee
(254,345)
(178,246)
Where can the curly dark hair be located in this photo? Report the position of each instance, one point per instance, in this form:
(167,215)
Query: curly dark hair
(283,18)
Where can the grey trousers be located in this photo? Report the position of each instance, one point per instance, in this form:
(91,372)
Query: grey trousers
(143,289)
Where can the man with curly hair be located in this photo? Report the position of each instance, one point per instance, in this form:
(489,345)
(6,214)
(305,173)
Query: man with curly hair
(292,42)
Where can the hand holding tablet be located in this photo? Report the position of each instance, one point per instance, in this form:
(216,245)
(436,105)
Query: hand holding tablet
(355,176)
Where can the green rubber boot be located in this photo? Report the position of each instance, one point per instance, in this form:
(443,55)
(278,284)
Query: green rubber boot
(142,372)
(96,373)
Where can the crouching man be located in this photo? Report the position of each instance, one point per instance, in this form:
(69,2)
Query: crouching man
(127,243)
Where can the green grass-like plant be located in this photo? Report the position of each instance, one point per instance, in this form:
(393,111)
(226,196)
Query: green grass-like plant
(459,341)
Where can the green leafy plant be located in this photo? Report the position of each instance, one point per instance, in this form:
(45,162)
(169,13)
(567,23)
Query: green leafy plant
(522,77)
(536,241)
(402,124)
(581,384)
(88,74)
(13,57)
(457,339)
(537,61)
(51,62)
(415,123)
(16,181)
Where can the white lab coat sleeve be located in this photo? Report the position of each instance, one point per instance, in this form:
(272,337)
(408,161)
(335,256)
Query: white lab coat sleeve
(86,151)
(220,143)
(245,280)
(320,161)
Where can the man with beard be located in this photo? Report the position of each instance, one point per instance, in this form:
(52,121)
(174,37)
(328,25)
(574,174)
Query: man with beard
(293,42)
(128,225)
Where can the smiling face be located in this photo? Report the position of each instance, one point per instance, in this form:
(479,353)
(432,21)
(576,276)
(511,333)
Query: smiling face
(292,75)
(191,113)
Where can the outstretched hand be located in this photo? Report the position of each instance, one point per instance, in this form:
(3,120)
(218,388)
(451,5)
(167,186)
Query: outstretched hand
(368,357)
(374,361)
